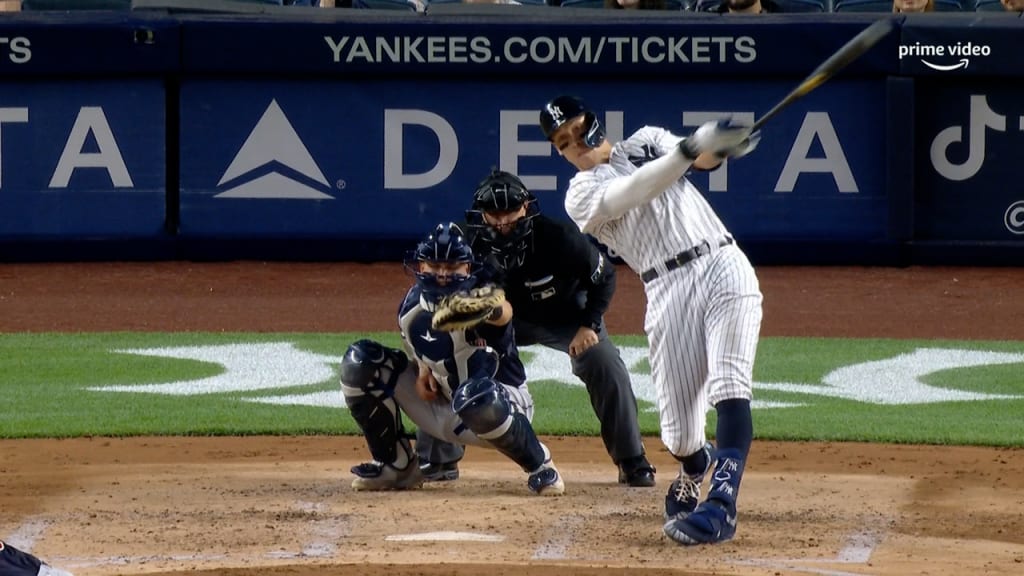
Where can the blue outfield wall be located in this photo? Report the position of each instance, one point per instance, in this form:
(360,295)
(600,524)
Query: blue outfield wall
(347,137)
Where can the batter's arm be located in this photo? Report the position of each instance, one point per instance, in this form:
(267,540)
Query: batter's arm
(647,182)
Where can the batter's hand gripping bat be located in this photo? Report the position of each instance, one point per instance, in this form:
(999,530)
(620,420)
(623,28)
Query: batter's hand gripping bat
(850,51)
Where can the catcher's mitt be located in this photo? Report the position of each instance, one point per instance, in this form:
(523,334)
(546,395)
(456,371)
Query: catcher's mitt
(463,310)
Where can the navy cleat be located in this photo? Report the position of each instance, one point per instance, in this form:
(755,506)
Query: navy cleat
(713,522)
(546,481)
(683,496)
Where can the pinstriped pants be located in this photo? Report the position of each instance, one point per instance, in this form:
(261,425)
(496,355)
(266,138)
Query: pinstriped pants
(703,322)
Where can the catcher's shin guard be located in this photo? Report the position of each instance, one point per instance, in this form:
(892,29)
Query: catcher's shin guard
(484,407)
(369,372)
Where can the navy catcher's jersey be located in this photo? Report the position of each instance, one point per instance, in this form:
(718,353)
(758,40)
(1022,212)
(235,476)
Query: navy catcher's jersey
(486,351)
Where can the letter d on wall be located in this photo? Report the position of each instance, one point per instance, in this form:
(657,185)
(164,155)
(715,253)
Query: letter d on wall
(394,126)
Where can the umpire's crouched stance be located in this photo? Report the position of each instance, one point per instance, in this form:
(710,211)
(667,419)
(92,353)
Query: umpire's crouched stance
(560,285)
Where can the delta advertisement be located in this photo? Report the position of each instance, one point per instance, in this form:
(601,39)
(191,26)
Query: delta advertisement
(82,159)
(391,159)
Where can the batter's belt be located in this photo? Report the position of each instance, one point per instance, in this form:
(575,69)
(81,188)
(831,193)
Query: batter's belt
(684,257)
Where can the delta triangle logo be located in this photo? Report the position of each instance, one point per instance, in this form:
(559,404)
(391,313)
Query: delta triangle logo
(274,142)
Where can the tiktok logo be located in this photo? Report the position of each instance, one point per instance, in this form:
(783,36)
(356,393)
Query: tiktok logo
(981,117)
(1014,217)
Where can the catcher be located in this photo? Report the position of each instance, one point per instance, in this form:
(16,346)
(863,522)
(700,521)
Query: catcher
(459,378)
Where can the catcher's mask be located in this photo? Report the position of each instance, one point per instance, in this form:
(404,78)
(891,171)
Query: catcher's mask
(563,109)
(446,245)
(502,192)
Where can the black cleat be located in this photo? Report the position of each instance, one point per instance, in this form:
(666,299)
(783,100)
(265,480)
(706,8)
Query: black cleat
(439,472)
(637,472)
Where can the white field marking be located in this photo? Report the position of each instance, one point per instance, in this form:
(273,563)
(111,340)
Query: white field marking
(445,537)
(325,531)
(262,366)
(859,547)
(256,366)
(561,536)
(898,380)
(24,536)
(857,550)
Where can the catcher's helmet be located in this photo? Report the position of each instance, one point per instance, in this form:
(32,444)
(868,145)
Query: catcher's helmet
(564,108)
(503,192)
(445,245)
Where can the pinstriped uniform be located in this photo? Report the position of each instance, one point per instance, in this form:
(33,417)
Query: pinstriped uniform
(703,319)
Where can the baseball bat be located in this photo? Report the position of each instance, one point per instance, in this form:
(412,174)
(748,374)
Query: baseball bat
(850,51)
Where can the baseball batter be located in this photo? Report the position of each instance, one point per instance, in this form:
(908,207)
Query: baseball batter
(703,315)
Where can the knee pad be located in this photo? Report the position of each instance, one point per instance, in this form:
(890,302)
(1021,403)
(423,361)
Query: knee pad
(484,407)
(372,367)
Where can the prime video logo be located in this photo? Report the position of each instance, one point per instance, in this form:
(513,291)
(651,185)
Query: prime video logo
(962,50)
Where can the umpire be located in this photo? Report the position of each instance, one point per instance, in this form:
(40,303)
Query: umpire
(559,285)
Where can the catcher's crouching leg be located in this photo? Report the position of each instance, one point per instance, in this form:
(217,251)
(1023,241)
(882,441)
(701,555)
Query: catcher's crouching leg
(485,408)
(369,372)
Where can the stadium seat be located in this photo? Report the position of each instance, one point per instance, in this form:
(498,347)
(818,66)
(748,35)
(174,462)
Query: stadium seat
(863,6)
(523,2)
(948,6)
(787,6)
(76,5)
(669,4)
(803,5)
(989,6)
(385,5)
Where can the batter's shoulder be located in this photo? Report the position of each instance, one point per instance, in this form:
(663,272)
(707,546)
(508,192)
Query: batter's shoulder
(647,135)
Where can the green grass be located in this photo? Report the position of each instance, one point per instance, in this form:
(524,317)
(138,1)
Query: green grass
(45,380)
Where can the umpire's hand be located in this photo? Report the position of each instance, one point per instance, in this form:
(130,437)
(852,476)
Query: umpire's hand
(584,339)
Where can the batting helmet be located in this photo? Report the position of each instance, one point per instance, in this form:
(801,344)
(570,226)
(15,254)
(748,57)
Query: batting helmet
(503,192)
(564,108)
(445,245)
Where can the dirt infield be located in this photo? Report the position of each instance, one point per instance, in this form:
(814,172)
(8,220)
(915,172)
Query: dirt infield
(283,506)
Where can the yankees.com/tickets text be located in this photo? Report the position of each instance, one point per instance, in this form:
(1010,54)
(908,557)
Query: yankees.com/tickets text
(541,49)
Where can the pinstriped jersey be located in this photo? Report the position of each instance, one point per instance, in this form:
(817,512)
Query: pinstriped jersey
(648,234)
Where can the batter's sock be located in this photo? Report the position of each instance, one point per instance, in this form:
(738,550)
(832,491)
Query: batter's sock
(734,433)
(697,464)
(735,429)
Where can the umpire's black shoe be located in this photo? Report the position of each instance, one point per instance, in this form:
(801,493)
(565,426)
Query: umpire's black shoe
(439,472)
(636,472)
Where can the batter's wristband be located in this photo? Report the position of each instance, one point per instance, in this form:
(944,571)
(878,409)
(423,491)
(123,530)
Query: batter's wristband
(689,151)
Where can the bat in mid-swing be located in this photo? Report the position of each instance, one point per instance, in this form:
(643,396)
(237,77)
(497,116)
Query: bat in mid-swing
(850,51)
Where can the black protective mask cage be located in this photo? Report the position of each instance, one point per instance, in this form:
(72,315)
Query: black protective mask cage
(508,249)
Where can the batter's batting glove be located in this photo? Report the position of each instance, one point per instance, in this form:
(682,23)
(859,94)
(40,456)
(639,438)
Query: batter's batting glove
(744,148)
(718,137)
